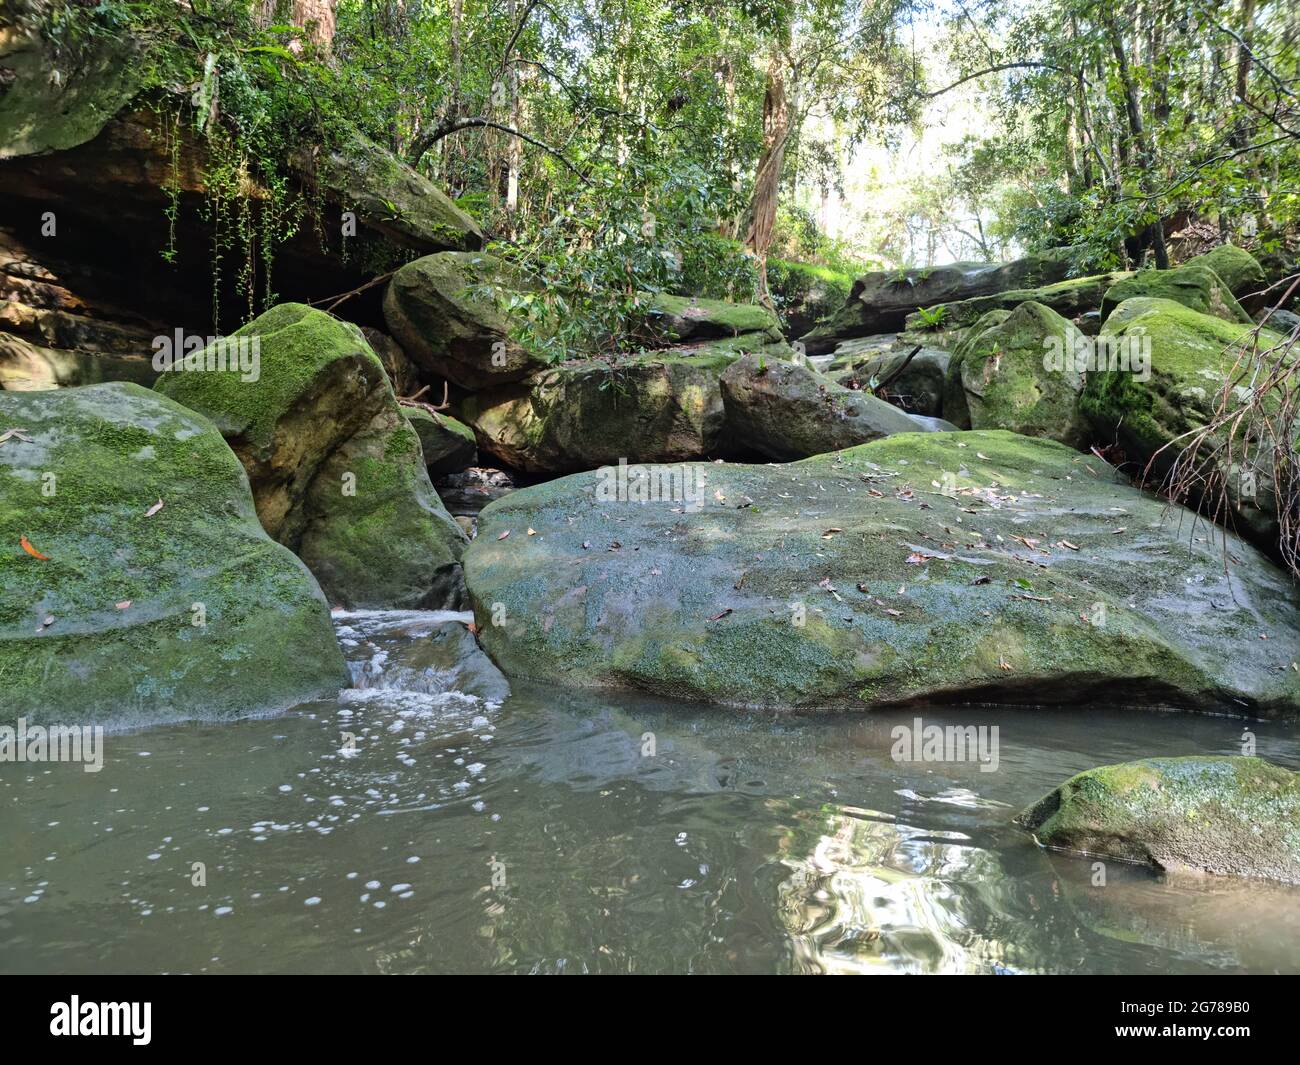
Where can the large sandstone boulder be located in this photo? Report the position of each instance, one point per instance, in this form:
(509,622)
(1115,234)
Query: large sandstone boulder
(1019,371)
(336,469)
(159,596)
(448,445)
(450,313)
(1194,286)
(788,411)
(957,567)
(1227,815)
(687,319)
(1240,270)
(654,408)
(880,302)
(1171,365)
(1071,298)
(915,382)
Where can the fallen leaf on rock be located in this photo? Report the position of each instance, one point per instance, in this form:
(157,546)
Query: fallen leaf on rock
(26,545)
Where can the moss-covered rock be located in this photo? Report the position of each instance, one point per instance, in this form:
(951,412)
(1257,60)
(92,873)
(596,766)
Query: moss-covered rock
(580,415)
(448,445)
(789,411)
(134,617)
(1240,270)
(336,469)
(395,201)
(41,112)
(880,302)
(1176,366)
(1194,286)
(377,534)
(1227,815)
(806,293)
(915,382)
(448,313)
(957,567)
(1018,371)
(685,319)
(1070,298)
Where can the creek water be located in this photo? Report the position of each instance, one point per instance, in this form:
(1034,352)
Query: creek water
(427,821)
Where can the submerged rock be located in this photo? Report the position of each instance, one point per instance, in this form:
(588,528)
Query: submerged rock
(1227,815)
(787,411)
(955,567)
(580,415)
(1018,371)
(336,469)
(160,597)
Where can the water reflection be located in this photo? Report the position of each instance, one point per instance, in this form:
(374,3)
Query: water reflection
(464,829)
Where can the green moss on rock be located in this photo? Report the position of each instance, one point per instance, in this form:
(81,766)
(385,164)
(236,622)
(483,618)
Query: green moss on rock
(105,629)
(1227,815)
(1018,371)
(1194,286)
(694,590)
(335,468)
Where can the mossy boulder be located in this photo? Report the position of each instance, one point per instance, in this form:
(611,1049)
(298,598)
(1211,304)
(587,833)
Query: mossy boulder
(1194,286)
(805,293)
(685,319)
(953,567)
(336,469)
(1018,371)
(1070,298)
(448,445)
(449,312)
(915,382)
(788,411)
(43,113)
(1240,270)
(396,202)
(377,534)
(1170,381)
(139,615)
(580,415)
(880,302)
(1228,815)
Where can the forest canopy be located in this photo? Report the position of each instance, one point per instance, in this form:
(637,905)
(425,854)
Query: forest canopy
(617,146)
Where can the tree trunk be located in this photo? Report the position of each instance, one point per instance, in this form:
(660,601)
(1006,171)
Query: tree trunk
(767,176)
